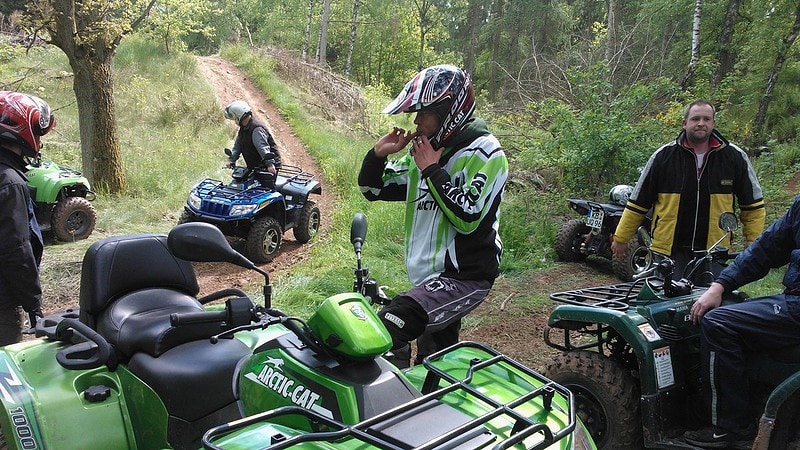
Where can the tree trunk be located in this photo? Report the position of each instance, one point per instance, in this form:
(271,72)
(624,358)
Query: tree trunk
(353,27)
(309,16)
(473,19)
(611,25)
(322,42)
(423,6)
(100,155)
(698,4)
(494,82)
(780,59)
(725,54)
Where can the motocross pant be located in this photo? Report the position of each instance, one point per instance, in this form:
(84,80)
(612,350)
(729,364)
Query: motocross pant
(727,334)
(434,308)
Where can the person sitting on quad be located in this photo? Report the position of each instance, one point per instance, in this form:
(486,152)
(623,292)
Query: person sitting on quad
(254,142)
(756,325)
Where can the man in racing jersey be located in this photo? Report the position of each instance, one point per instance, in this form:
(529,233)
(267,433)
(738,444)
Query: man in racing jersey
(451,180)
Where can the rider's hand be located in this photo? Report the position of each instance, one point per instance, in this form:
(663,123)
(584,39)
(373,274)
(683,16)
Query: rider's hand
(617,247)
(710,299)
(424,153)
(392,142)
(230,164)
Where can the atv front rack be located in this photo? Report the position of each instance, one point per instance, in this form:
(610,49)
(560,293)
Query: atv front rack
(615,296)
(432,421)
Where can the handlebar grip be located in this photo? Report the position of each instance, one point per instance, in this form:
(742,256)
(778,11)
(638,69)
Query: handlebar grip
(187,318)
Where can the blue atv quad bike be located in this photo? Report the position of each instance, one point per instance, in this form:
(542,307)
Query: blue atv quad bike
(258,207)
(142,363)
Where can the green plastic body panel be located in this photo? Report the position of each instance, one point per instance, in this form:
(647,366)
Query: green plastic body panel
(50,178)
(346,324)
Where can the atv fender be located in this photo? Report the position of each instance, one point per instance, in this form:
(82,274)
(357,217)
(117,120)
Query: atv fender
(47,406)
(652,352)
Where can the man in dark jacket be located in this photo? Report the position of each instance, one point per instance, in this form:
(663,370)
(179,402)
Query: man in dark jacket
(23,120)
(253,141)
(758,324)
(689,182)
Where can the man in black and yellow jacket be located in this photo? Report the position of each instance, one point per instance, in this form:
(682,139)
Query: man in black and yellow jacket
(689,182)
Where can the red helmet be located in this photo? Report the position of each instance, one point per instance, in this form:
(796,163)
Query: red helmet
(23,120)
(445,89)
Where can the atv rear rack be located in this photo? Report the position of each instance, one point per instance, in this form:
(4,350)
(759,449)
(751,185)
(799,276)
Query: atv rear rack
(429,422)
(615,296)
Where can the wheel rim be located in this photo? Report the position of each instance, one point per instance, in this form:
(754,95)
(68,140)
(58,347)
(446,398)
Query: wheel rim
(640,260)
(270,243)
(313,224)
(77,222)
(590,412)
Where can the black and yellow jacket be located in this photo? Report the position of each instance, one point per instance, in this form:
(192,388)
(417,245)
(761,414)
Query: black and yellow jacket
(686,206)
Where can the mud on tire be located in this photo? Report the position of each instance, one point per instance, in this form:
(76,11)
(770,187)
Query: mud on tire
(264,240)
(634,259)
(569,239)
(606,397)
(74,219)
(308,223)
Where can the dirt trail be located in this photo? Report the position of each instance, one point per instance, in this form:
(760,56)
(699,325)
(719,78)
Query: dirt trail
(501,321)
(231,84)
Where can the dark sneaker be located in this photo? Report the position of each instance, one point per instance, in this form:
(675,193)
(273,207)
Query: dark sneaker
(713,437)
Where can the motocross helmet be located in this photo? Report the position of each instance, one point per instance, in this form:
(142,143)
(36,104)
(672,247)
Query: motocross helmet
(24,119)
(620,194)
(445,89)
(237,111)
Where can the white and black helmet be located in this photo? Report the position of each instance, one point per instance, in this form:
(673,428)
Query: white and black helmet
(620,194)
(445,89)
(237,110)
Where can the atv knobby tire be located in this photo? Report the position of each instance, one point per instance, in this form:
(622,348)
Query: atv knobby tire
(569,239)
(308,224)
(74,219)
(634,259)
(606,397)
(185,217)
(264,240)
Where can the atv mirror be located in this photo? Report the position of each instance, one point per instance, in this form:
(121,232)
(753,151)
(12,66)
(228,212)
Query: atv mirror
(203,242)
(643,236)
(228,151)
(728,221)
(358,231)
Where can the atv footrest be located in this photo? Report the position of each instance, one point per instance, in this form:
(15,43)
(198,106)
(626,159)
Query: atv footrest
(615,296)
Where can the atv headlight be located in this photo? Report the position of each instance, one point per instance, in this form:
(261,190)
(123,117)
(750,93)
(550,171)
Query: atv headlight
(239,210)
(194,201)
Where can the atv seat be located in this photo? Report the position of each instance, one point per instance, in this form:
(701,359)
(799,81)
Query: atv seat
(129,287)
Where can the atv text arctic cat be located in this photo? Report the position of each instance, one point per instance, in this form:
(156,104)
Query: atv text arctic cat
(143,363)
(258,207)
(63,200)
(630,355)
(592,234)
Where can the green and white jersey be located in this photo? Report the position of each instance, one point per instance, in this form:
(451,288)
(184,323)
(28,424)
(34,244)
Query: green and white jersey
(452,208)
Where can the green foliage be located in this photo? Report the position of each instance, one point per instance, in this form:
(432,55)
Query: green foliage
(172,21)
(596,143)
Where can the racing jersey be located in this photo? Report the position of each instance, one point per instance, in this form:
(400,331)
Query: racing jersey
(452,208)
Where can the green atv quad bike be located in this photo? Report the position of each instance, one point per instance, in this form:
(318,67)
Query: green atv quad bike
(631,356)
(142,362)
(63,200)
